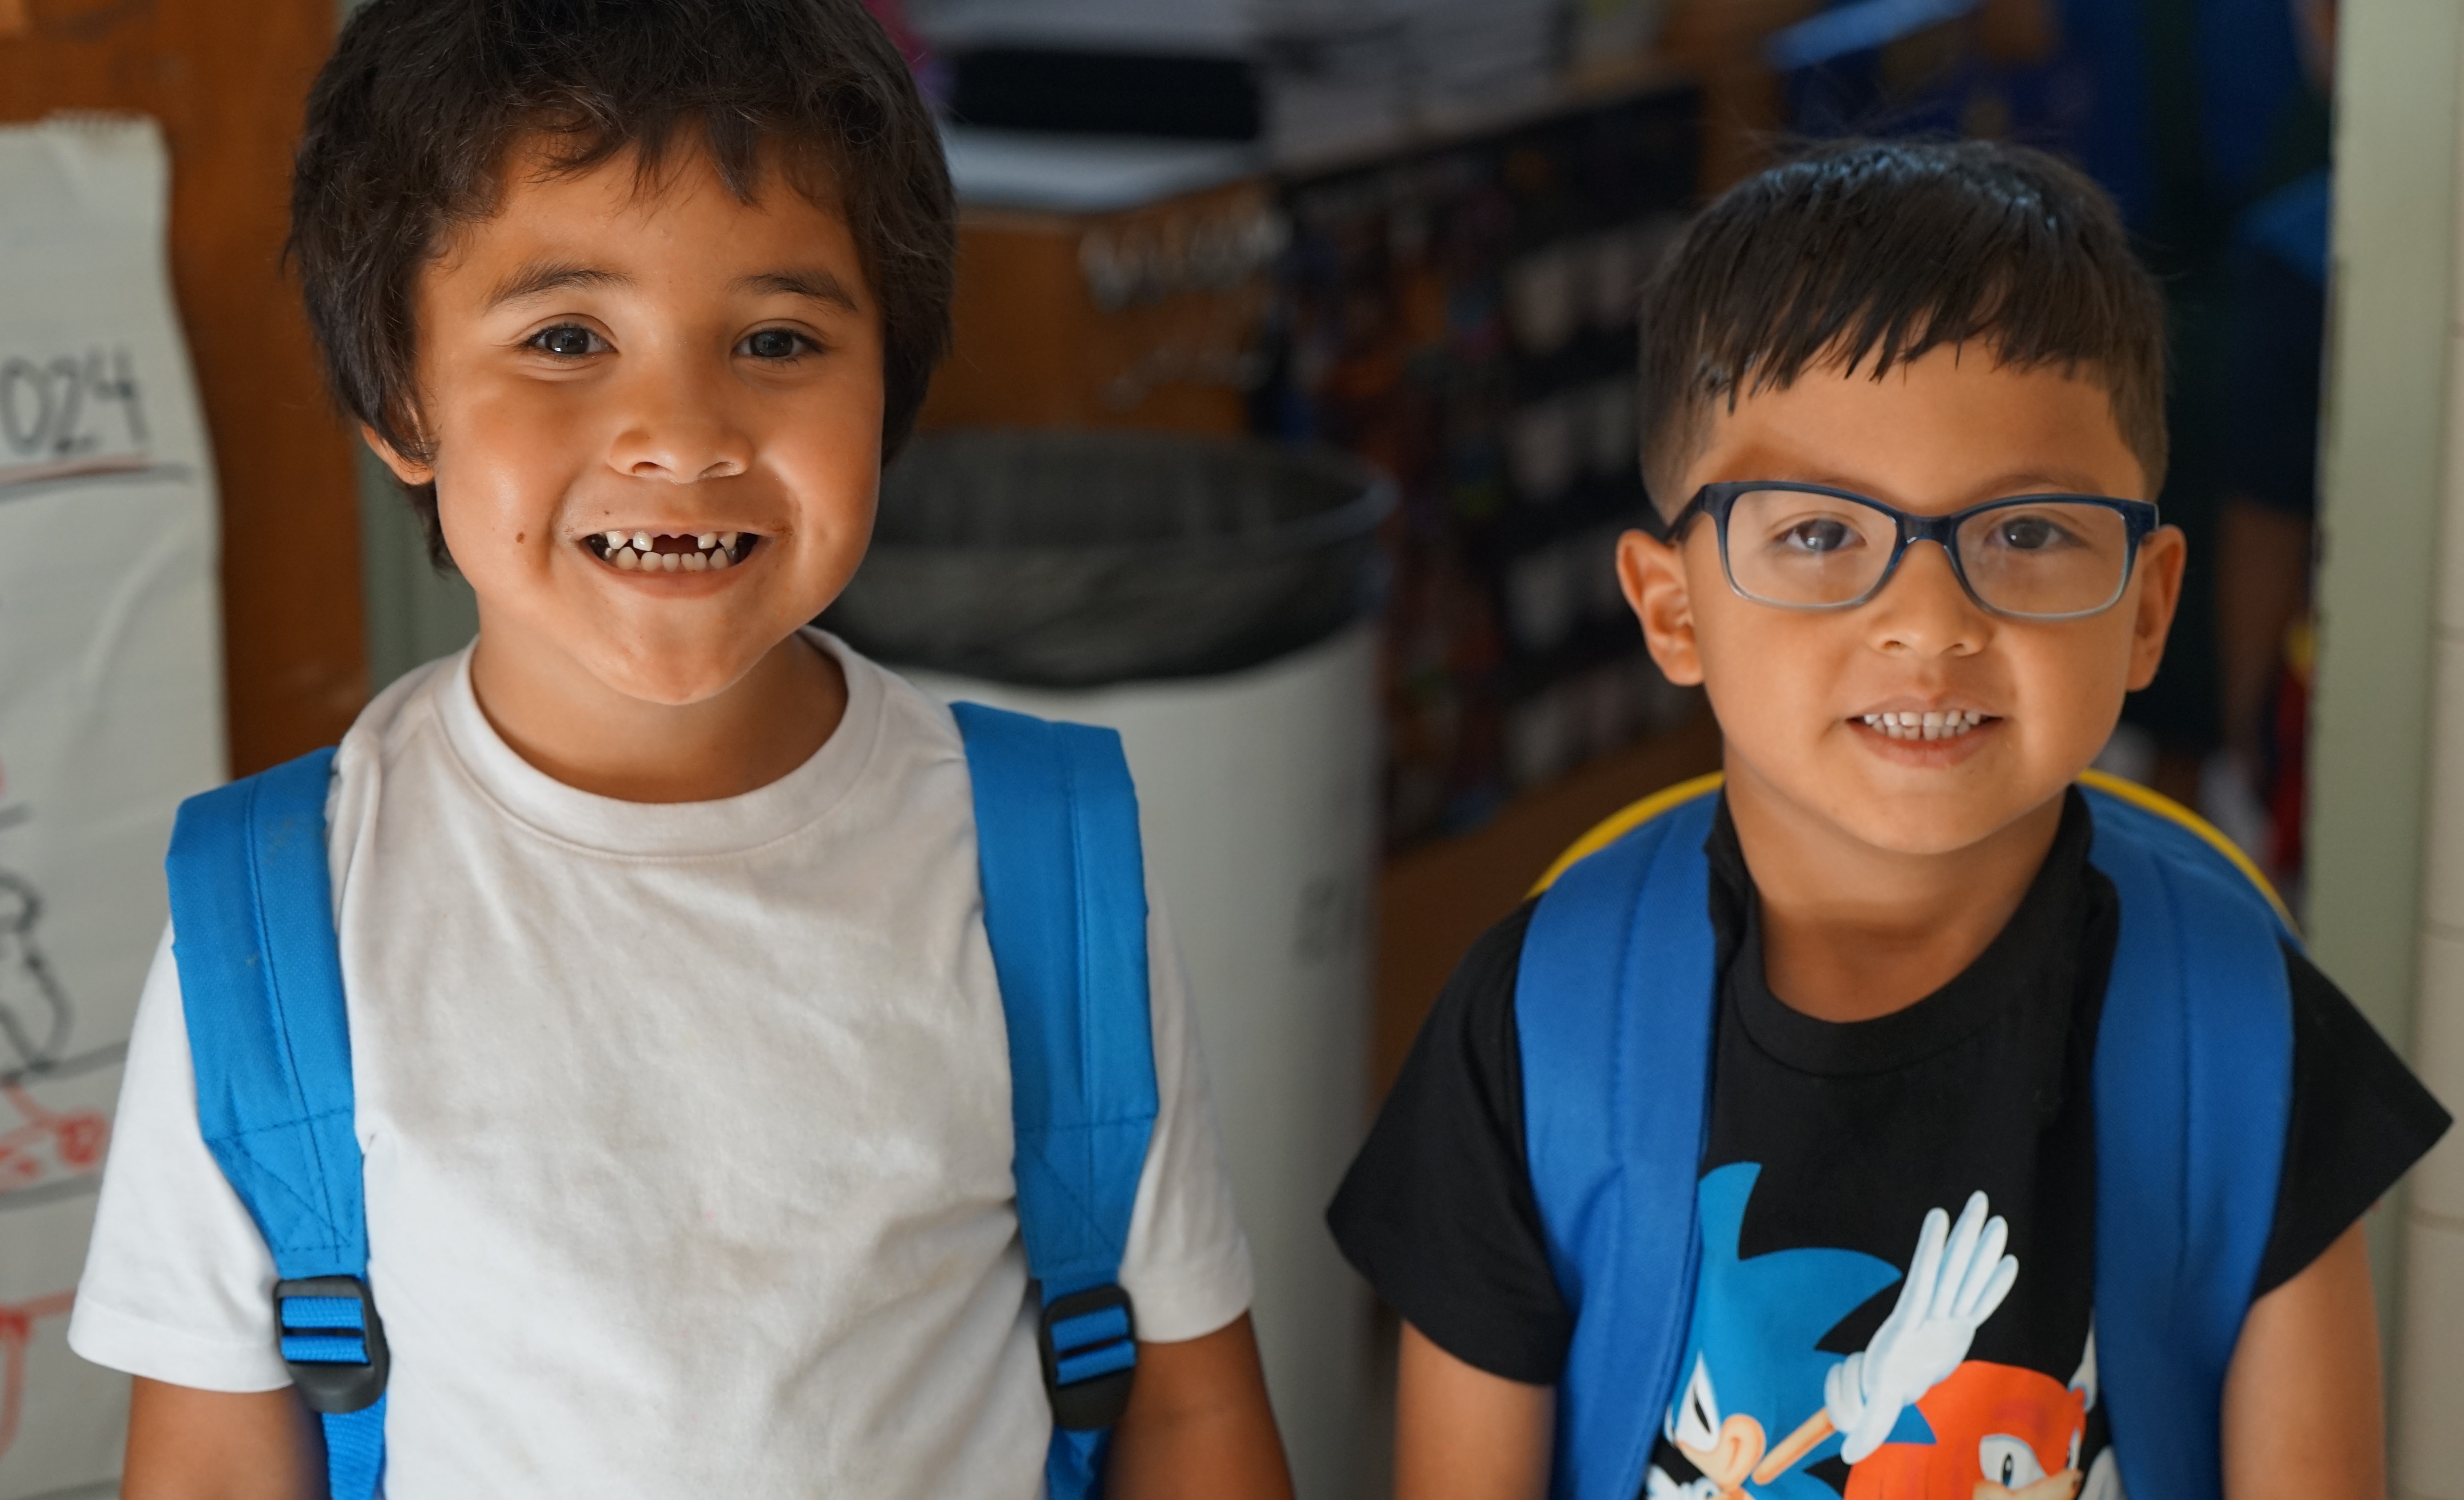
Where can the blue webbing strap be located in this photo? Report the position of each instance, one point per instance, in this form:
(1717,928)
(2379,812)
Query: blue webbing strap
(2194,1089)
(1066,910)
(262,984)
(1614,1007)
(2193,1093)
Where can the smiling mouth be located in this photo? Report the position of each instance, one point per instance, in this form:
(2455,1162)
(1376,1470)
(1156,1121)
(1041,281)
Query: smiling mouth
(1946,724)
(671,552)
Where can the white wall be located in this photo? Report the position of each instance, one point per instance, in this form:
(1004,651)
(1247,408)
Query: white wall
(2388,738)
(2429,1349)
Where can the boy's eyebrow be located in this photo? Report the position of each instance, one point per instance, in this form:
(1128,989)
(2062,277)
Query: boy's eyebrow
(536,276)
(2040,481)
(813,283)
(2014,482)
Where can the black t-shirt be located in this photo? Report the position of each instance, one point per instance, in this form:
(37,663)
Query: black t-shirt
(1829,1144)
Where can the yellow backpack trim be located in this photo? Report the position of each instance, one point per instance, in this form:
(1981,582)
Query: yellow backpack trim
(2164,807)
(1620,824)
(1633,815)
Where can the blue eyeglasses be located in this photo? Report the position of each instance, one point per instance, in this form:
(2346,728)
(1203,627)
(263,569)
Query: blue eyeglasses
(2031,557)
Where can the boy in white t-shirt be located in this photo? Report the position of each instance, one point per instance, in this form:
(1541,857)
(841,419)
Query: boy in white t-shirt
(681,1076)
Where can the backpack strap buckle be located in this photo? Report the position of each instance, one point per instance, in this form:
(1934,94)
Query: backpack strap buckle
(1089,1341)
(333,1342)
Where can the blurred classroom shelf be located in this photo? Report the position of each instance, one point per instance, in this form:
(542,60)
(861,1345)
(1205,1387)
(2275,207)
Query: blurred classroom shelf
(1448,292)
(1436,899)
(1106,282)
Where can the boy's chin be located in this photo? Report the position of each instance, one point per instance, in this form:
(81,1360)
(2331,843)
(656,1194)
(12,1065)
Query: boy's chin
(1937,838)
(1893,812)
(1944,820)
(676,678)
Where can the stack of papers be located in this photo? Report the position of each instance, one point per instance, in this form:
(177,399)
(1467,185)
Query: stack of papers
(1336,77)
(1173,28)
(1350,75)
(1482,53)
(1085,174)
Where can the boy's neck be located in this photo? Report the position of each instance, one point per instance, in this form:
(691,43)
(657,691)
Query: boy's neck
(1850,932)
(590,737)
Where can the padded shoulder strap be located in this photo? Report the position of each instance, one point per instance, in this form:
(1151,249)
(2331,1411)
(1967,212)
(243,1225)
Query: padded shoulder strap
(2194,1089)
(1613,1005)
(261,985)
(261,981)
(1065,910)
(2193,1096)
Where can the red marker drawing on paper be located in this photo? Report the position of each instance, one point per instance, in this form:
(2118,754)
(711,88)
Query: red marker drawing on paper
(45,1146)
(17,1331)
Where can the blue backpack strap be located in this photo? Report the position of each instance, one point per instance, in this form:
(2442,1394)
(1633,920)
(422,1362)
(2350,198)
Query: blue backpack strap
(2193,1096)
(1613,1006)
(262,984)
(1065,910)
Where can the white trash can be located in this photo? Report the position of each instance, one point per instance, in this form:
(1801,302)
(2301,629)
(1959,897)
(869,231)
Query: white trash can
(1210,601)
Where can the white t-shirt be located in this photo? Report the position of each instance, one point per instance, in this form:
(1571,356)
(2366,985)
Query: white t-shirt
(687,1132)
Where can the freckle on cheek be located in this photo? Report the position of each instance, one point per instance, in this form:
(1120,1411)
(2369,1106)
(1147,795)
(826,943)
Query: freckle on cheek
(520,536)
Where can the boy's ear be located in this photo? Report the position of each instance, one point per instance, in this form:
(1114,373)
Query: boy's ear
(1652,572)
(409,470)
(2161,559)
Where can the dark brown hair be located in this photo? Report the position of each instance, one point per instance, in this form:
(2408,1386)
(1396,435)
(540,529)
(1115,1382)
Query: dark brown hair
(413,118)
(1865,255)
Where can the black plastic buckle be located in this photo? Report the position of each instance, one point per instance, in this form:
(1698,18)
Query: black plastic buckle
(1094,1401)
(330,1386)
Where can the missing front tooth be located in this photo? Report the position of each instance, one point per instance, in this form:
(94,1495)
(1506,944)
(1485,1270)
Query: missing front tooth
(671,552)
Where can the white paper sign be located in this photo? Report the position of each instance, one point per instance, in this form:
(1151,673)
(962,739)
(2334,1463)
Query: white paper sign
(110,712)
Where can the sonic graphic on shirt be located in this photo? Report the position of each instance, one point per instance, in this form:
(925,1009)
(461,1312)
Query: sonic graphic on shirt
(1909,1416)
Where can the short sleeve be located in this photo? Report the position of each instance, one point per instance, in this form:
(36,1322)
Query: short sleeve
(178,1283)
(1438,1210)
(1186,1266)
(2359,1121)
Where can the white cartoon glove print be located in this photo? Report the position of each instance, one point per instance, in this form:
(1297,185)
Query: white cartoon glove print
(1958,1277)
(1658,1485)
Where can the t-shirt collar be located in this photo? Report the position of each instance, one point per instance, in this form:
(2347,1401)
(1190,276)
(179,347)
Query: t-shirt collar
(606,825)
(2032,961)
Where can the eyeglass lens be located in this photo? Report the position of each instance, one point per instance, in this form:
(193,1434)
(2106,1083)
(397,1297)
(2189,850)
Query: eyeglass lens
(2040,558)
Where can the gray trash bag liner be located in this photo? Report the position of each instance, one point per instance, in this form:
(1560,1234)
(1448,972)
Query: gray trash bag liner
(1075,558)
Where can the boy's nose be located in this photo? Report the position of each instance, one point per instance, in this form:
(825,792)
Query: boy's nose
(679,429)
(1925,611)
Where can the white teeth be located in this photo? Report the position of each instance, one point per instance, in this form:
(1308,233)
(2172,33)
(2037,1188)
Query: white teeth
(638,553)
(1940,724)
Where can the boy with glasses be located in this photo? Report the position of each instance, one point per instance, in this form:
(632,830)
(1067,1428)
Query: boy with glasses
(1910,1112)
